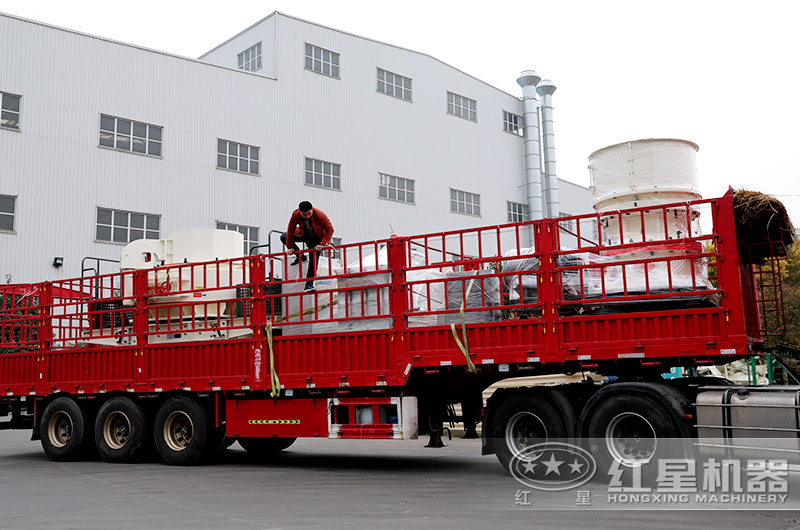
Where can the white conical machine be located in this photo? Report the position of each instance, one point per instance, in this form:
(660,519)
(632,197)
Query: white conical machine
(646,173)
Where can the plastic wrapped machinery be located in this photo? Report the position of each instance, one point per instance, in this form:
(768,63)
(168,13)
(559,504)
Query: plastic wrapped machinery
(485,292)
(362,299)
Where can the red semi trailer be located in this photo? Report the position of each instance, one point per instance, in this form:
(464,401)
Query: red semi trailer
(190,356)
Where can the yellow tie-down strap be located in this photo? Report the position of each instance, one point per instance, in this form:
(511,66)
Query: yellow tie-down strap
(464,347)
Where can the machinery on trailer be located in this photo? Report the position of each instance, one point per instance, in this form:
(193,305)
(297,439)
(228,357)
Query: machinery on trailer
(189,346)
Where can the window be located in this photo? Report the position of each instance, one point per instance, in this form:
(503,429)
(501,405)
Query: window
(395,188)
(567,225)
(117,226)
(250,234)
(323,174)
(394,85)
(8,207)
(250,59)
(129,135)
(465,202)
(9,111)
(337,253)
(512,123)
(322,61)
(462,107)
(238,157)
(517,212)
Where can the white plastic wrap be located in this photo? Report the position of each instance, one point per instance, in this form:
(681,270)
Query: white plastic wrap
(485,292)
(374,302)
(528,262)
(609,280)
(655,166)
(326,303)
(657,226)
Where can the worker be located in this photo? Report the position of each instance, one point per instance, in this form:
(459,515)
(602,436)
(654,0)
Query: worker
(311,226)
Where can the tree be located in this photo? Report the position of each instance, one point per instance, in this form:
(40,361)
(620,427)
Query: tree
(790,279)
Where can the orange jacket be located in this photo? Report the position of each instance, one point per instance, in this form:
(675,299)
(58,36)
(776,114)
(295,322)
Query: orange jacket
(319,222)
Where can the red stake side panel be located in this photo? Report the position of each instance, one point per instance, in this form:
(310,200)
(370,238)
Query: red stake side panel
(211,365)
(643,329)
(365,358)
(511,341)
(89,370)
(18,373)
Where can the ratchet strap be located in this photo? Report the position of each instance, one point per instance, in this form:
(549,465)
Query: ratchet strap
(464,347)
(273,375)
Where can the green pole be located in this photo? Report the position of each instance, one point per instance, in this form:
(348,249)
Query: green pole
(770,369)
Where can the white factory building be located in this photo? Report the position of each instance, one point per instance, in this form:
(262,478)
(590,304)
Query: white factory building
(103,142)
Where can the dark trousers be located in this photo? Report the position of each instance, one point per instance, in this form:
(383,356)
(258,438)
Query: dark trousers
(311,241)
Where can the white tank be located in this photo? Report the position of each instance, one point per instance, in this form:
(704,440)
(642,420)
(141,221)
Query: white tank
(643,173)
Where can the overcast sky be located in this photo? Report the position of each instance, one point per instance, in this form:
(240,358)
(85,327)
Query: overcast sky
(723,74)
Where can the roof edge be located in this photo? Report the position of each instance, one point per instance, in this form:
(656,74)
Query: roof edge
(129,45)
(248,28)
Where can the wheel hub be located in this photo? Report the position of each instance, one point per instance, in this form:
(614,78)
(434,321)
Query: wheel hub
(117,430)
(178,431)
(59,429)
(524,429)
(631,439)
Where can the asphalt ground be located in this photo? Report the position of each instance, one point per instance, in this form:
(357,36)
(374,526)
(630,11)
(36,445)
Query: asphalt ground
(315,484)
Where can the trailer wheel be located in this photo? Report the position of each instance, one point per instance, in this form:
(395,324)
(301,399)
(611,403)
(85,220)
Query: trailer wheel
(120,430)
(63,430)
(181,431)
(521,422)
(265,447)
(631,430)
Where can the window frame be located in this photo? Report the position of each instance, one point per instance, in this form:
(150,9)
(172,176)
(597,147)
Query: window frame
(507,124)
(13,214)
(512,212)
(227,154)
(247,239)
(337,176)
(402,87)
(321,59)
(113,226)
(472,203)
(18,112)
(452,106)
(337,252)
(131,135)
(396,188)
(567,224)
(255,57)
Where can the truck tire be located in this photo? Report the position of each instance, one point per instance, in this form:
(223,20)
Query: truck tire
(631,430)
(265,447)
(63,430)
(522,421)
(181,431)
(120,430)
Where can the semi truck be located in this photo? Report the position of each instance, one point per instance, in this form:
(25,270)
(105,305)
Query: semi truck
(180,354)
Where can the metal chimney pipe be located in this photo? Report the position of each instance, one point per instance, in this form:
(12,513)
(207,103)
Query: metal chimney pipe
(533,163)
(545,88)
